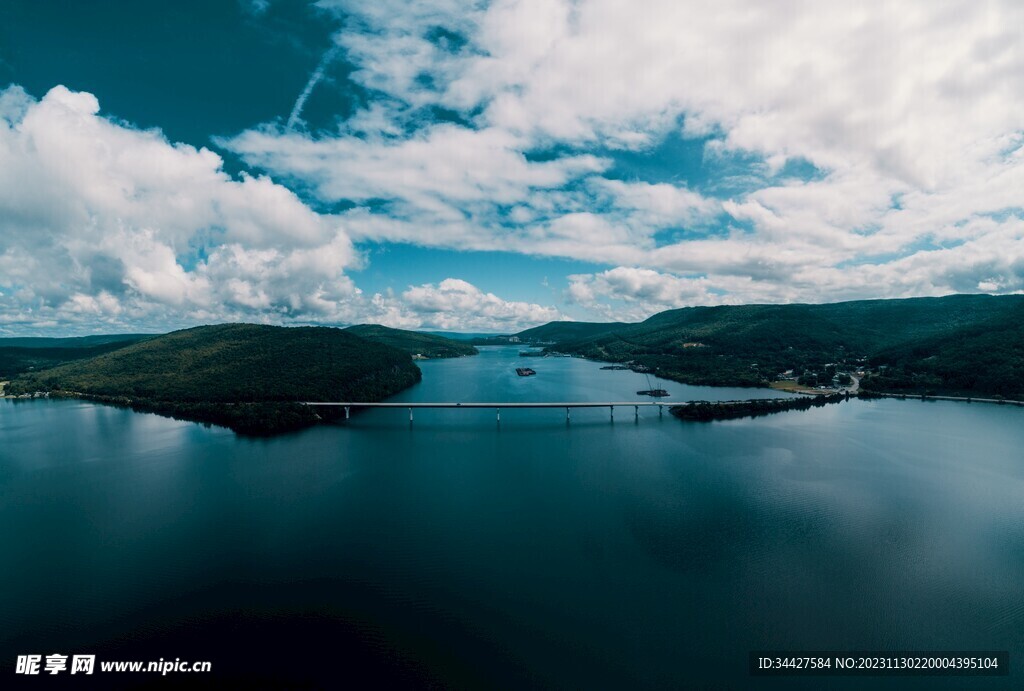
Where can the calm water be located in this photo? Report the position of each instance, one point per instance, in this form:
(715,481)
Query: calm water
(462,553)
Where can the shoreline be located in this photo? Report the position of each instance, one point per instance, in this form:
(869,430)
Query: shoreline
(297,415)
(783,385)
(789,387)
(867,395)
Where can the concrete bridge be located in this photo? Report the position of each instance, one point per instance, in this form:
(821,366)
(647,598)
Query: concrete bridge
(610,405)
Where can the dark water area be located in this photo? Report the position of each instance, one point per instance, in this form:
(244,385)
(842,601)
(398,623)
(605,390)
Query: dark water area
(458,552)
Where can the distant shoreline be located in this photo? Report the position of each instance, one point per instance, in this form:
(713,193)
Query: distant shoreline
(932,397)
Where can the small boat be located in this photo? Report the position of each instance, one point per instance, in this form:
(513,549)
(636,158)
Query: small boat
(525,371)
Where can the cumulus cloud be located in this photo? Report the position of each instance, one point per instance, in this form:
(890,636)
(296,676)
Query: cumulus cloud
(908,119)
(633,294)
(103,219)
(991,262)
(454,304)
(865,149)
(897,87)
(107,226)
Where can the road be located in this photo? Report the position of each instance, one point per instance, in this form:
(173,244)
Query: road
(855,386)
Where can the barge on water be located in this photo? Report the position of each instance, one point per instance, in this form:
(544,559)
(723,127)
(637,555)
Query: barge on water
(525,371)
(651,391)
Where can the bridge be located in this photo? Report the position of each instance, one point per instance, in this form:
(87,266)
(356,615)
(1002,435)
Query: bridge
(497,407)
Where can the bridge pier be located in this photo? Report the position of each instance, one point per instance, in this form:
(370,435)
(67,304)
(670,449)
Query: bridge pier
(498,405)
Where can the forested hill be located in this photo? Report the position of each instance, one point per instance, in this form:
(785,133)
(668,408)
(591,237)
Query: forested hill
(982,358)
(413,342)
(959,343)
(19,355)
(243,376)
(554,332)
(72,342)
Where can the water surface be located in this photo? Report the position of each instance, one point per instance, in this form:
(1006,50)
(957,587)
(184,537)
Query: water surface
(456,551)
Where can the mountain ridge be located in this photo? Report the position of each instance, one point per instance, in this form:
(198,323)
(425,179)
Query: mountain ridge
(413,342)
(750,345)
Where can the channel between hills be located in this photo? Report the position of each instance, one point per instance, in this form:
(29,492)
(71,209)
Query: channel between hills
(253,378)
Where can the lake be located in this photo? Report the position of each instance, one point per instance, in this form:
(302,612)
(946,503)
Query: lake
(459,552)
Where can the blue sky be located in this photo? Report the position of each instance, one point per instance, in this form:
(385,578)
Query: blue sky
(488,166)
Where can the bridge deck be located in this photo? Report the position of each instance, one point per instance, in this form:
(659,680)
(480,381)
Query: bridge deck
(499,404)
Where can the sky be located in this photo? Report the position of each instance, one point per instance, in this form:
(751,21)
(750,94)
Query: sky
(490,166)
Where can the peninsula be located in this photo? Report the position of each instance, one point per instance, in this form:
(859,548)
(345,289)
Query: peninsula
(242,376)
(252,378)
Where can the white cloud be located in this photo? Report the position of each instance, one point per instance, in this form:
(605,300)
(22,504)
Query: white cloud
(910,114)
(435,170)
(104,219)
(398,43)
(454,304)
(908,120)
(991,262)
(633,294)
(906,89)
(660,205)
(103,226)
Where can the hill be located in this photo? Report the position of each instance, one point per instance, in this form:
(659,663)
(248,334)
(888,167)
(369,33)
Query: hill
(983,358)
(242,376)
(73,342)
(413,342)
(19,355)
(554,332)
(458,335)
(961,343)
